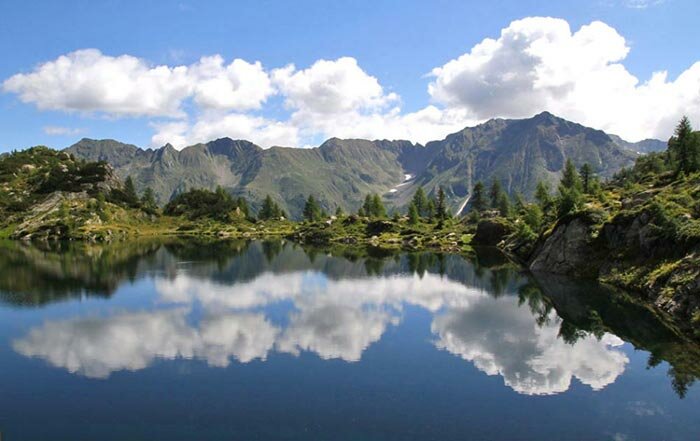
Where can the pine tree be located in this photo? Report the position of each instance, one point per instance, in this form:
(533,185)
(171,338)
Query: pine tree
(684,147)
(413,215)
(148,201)
(570,186)
(377,207)
(478,198)
(421,201)
(268,209)
(367,206)
(570,199)
(586,173)
(440,207)
(570,178)
(312,211)
(339,211)
(543,196)
(495,193)
(130,196)
(504,207)
(430,210)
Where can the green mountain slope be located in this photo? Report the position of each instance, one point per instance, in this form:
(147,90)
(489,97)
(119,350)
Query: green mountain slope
(340,172)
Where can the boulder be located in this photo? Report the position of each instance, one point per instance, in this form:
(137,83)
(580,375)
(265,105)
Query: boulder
(490,232)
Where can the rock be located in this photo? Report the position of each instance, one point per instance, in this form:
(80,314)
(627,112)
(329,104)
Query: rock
(490,232)
(567,250)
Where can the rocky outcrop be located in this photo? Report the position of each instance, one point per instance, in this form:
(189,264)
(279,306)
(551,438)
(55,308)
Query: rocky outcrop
(567,250)
(629,251)
(44,220)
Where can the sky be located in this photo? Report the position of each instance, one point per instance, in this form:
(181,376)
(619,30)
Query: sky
(294,73)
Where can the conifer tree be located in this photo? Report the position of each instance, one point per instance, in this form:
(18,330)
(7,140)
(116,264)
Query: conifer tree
(148,201)
(586,173)
(242,204)
(268,209)
(503,206)
(440,207)
(312,211)
(570,178)
(684,147)
(543,196)
(130,196)
(377,207)
(367,206)
(495,193)
(421,201)
(430,210)
(413,215)
(478,198)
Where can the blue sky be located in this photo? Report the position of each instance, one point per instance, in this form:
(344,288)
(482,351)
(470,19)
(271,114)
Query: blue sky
(380,89)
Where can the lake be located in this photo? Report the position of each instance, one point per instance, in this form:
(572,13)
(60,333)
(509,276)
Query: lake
(188,340)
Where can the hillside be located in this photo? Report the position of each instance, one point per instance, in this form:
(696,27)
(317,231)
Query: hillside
(45,194)
(341,172)
(639,231)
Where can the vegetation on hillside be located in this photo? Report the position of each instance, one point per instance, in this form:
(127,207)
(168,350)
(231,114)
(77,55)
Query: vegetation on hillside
(640,229)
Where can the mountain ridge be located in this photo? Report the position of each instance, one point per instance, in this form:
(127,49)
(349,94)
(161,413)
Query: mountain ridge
(339,172)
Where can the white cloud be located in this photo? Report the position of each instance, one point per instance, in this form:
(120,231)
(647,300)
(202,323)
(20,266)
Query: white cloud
(538,64)
(91,82)
(62,131)
(240,85)
(262,131)
(88,81)
(330,87)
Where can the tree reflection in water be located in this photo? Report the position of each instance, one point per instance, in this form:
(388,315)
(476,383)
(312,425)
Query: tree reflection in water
(537,332)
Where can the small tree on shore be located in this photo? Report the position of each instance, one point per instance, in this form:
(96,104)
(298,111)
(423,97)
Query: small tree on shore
(413,215)
(478,199)
(421,201)
(312,211)
(441,206)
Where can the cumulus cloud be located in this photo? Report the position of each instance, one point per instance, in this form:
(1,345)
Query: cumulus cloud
(88,81)
(535,64)
(91,82)
(239,85)
(331,87)
(538,63)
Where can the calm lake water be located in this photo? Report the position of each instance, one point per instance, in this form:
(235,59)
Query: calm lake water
(267,341)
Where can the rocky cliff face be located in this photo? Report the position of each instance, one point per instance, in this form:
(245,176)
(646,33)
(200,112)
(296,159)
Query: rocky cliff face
(567,250)
(629,251)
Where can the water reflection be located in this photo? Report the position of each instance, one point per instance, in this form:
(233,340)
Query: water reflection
(501,338)
(240,301)
(96,347)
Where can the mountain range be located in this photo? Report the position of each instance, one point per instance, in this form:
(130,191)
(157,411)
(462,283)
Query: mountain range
(340,172)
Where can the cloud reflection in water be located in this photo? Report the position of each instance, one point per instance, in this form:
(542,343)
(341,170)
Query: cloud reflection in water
(333,318)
